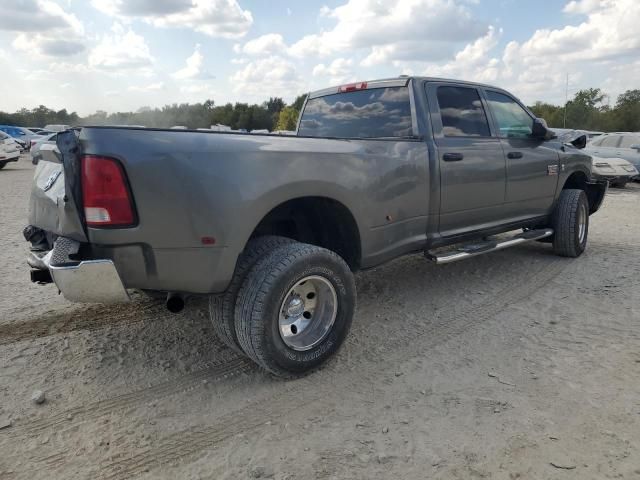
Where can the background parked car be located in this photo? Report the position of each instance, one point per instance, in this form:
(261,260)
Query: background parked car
(23,135)
(624,145)
(57,127)
(9,151)
(36,146)
(617,171)
(41,136)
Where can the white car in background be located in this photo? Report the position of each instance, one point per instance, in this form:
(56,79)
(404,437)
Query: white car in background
(617,171)
(57,127)
(9,150)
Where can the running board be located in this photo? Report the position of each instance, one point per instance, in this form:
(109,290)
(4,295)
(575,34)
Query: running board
(468,250)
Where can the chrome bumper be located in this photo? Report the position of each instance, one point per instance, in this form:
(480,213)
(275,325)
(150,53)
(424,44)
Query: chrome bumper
(88,281)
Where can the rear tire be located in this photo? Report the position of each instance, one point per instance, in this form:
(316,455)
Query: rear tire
(295,309)
(571,223)
(222,307)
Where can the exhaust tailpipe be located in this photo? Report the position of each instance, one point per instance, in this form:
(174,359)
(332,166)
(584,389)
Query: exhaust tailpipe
(175,302)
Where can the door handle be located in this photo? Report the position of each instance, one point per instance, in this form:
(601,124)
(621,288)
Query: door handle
(452,157)
(514,155)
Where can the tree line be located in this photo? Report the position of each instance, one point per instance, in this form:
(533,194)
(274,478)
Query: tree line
(589,109)
(273,114)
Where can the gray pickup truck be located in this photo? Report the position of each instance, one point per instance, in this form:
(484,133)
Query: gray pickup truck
(272,227)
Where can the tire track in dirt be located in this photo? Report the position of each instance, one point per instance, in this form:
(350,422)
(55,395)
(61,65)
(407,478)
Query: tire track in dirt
(410,343)
(93,317)
(94,410)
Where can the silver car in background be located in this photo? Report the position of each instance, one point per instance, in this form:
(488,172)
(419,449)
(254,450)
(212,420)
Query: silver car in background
(57,128)
(37,145)
(9,150)
(625,145)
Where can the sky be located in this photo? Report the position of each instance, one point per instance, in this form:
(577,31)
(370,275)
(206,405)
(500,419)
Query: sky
(122,55)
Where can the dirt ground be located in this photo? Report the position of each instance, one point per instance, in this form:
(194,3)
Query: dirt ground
(513,365)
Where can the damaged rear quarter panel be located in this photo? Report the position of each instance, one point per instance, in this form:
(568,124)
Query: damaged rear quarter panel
(51,205)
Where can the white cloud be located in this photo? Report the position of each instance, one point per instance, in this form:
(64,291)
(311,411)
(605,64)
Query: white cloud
(278,73)
(43,27)
(593,53)
(608,34)
(338,71)
(121,50)
(193,66)
(271,43)
(385,27)
(216,18)
(583,6)
(473,62)
(146,88)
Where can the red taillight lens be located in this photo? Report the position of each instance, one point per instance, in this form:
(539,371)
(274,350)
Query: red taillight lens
(105,196)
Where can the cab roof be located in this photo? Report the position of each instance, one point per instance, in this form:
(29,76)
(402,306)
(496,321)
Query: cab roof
(400,81)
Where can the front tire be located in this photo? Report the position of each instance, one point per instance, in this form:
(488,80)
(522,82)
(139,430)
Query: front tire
(295,309)
(3,164)
(571,223)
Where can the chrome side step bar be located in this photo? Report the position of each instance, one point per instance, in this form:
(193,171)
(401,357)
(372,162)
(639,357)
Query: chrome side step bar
(468,250)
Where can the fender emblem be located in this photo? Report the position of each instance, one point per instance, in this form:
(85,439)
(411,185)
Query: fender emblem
(51,180)
(552,169)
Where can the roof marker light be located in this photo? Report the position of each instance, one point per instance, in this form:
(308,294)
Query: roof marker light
(351,87)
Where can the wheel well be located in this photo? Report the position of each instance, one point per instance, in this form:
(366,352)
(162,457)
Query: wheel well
(576,180)
(316,220)
(595,191)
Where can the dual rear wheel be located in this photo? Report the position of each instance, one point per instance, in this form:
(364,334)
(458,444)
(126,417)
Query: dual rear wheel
(289,307)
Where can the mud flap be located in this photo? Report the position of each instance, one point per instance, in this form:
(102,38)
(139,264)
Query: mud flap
(596,191)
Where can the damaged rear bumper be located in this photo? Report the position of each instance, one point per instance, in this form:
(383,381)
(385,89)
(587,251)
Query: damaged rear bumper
(86,281)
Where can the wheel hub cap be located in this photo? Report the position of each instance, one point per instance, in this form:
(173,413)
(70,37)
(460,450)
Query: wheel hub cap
(308,313)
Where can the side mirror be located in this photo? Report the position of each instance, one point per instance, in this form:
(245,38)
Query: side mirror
(540,130)
(635,146)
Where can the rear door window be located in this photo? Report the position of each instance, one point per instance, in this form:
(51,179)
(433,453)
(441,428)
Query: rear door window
(462,112)
(628,140)
(512,119)
(373,113)
(611,141)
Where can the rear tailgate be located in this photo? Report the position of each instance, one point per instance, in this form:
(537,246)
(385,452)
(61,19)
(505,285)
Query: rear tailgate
(55,192)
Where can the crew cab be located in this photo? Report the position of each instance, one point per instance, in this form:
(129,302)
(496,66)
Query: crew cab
(272,227)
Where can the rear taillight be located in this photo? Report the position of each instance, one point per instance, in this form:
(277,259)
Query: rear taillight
(105,193)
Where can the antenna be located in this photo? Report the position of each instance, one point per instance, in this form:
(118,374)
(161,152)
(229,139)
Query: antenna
(566,100)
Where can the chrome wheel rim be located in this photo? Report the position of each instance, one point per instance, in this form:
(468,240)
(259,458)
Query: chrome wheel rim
(307,313)
(582,223)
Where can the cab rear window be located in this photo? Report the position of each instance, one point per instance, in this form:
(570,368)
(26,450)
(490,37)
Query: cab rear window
(373,113)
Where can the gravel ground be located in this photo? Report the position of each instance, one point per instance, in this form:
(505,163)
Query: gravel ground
(517,364)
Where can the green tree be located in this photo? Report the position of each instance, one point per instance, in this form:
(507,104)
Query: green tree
(288,119)
(627,112)
(299,101)
(553,114)
(583,111)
